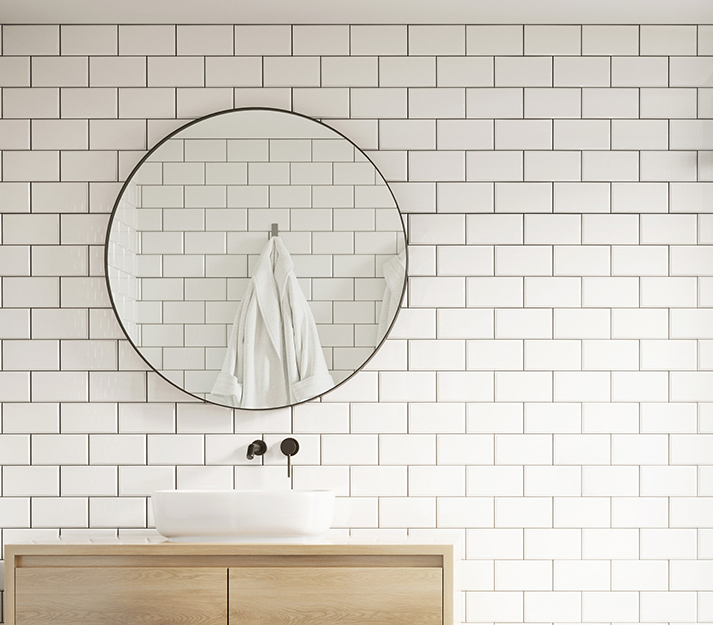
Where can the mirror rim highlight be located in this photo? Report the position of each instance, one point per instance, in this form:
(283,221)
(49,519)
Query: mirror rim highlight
(172,135)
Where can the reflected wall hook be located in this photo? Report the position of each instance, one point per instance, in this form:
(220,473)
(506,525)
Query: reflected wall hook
(289,447)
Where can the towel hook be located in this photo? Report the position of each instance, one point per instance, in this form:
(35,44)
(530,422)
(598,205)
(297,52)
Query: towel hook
(274,231)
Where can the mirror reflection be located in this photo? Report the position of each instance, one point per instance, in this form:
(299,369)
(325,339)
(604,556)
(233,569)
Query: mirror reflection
(256,258)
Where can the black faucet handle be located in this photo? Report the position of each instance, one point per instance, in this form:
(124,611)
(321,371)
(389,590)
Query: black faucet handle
(289,447)
(256,448)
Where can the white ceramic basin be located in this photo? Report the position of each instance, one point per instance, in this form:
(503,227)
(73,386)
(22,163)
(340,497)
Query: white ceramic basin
(243,515)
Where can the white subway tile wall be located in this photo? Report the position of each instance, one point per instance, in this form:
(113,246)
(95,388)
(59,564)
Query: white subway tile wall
(545,401)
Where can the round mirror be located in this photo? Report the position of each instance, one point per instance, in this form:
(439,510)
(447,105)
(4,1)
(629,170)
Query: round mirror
(256,258)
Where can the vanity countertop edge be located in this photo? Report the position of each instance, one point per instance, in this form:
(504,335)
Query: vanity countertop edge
(223,549)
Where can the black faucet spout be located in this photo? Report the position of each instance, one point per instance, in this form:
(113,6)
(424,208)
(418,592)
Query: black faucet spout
(256,448)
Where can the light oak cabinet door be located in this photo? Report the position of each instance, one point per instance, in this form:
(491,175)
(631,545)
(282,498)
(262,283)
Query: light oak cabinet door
(120,596)
(329,595)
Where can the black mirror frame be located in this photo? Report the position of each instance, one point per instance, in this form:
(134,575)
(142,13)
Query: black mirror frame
(141,162)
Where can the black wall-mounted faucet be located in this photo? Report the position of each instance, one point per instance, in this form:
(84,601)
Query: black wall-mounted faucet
(289,447)
(256,448)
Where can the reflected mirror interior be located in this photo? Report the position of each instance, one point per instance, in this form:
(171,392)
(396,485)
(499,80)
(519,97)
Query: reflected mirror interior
(191,222)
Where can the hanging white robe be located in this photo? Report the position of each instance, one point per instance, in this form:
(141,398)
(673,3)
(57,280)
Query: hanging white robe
(394,274)
(274,356)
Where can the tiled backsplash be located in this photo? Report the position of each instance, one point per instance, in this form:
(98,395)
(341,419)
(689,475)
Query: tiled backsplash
(545,401)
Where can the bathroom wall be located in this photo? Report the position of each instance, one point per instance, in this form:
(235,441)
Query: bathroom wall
(545,402)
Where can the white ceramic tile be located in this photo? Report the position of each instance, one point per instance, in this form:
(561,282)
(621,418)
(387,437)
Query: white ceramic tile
(606,166)
(324,40)
(495,103)
(639,71)
(83,103)
(436,481)
(673,103)
(552,40)
(16,135)
(669,605)
(16,197)
(203,478)
(380,40)
(610,40)
(687,197)
(583,71)
(552,103)
(111,512)
(407,72)
(660,418)
(291,71)
(500,165)
(641,197)
(137,39)
(685,134)
(459,511)
(468,386)
(437,165)
(523,260)
(31,166)
(495,292)
(204,40)
(30,481)
(440,355)
(610,103)
(521,324)
(108,71)
(532,197)
(465,134)
(406,511)
(639,135)
(84,40)
(551,166)
(610,229)
(233,71)
(523,71)
(444,102)
(552,229)
(343,449)
(175,71)
(31,39)
(668,40)
(149,102)
(489,355)
(59,512)
(581,134)
(491,39)
(60,72)
(107,449)
(668,292)
(432,39)
(666,166)
(256,40)
(523,134)
(549,355)
(455,71)
(15,71)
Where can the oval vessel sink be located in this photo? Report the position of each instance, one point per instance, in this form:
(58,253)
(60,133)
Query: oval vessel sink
(243,515)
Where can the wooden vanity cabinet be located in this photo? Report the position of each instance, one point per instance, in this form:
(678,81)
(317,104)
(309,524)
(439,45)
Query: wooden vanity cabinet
(210,584)
(119,595)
